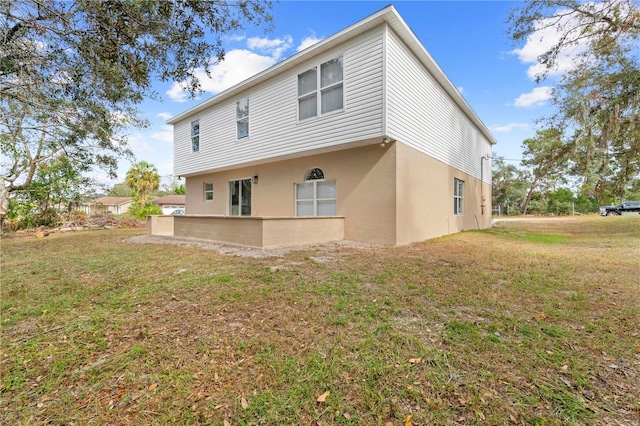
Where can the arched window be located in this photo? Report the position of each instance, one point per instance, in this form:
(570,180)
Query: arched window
(316,197)
(314,174)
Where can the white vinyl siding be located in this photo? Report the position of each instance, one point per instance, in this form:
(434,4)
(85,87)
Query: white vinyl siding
(421,114)
(275,130)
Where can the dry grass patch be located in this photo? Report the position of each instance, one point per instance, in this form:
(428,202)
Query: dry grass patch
(529,322)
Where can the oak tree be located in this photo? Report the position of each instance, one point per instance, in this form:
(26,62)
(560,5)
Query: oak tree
(598,97)
(73,73)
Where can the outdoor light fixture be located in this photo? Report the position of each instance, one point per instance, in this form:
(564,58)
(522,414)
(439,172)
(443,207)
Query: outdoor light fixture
(385,141)
(255,180)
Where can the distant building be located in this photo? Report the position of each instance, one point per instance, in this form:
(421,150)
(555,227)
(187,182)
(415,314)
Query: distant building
(170,203)
(107,205)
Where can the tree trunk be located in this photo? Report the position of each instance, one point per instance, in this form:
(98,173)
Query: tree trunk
(4,202)
(525,203)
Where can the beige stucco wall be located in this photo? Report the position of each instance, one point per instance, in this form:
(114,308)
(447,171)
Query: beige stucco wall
(388,195)
(425,198)
(287,232)
(263,232)
(365,187)
(160,225)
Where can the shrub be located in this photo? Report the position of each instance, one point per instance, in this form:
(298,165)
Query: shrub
(140,213)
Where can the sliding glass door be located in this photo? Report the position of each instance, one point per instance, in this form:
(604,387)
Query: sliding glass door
(240,197)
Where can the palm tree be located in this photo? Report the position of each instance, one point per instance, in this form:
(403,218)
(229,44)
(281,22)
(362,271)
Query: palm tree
(143,178)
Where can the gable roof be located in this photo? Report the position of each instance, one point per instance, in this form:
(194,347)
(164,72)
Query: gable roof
(112,201)
(387,15)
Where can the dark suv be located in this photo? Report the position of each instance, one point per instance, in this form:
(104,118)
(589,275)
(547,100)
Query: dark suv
(626,207)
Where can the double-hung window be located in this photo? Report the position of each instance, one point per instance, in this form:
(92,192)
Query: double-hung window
(242,118)
(208,191)
(195,136)
(458,196)
(321,91)
(316,197)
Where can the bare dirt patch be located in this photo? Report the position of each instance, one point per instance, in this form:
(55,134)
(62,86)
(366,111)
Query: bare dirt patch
(252,252)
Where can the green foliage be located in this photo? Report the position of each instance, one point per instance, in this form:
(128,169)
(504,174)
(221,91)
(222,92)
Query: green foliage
(173,187)
(136,210)
(25,215)
(143,179)
(509,186)
(597,99)
(546,155)
(56,186)
(120,190)
(73,73)
(180,190)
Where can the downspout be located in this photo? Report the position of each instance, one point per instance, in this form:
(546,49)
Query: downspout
(482,199)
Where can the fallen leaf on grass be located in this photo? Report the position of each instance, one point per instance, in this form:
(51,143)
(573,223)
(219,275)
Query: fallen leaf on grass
(153,386)
(244,403)
(408,421)
(323,397)
(415,360)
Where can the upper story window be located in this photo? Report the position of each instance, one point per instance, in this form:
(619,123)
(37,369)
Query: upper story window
(458,196)
(330,83)
(242,118)
(195,136)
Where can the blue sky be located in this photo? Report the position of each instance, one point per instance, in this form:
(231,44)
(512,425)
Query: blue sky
(466,38)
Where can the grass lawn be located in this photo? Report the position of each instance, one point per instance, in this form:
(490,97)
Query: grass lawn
(531,322)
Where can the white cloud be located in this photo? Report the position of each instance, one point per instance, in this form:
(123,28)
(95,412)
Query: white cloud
(137,143)
(460,89)
(237,37)
(165,168)
(537,97)
(238,65)
(307,42)
(273,47)
(548,33)
(509,127)
(165,135)
(164,115)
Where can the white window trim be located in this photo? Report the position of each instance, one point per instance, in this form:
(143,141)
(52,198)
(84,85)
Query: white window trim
(250,179)
(205,191)
(315,198)
(246,118)
(458,198)
(319,90)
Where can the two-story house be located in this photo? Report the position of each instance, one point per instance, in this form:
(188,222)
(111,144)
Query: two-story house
(359,137)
